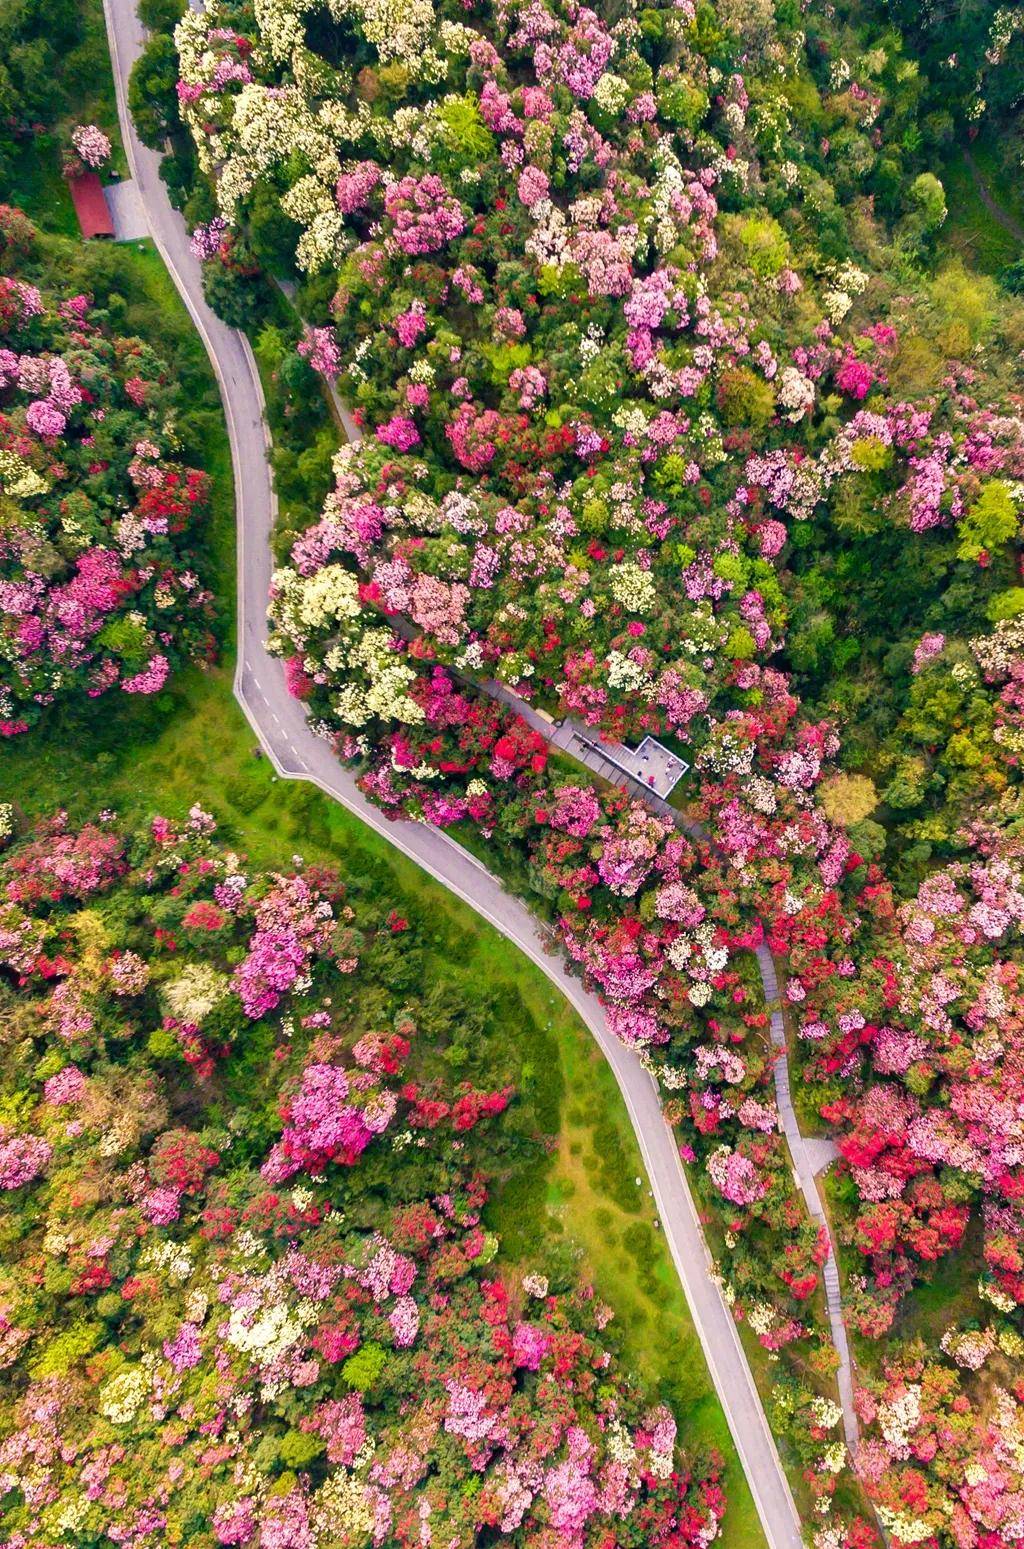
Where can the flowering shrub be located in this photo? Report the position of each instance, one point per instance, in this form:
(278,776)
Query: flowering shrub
(942,1457)
(91,144)
(932,1015)
(100,529)
(381,1364)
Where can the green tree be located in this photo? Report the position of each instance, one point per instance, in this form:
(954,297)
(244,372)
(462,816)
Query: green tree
(990,522)
(152,91)
(930,197)
(273,236)
(765,245)
(239,299)
(1008,604)
(161,15)
(362,1370)
(1012,278)
(464,138)
(745,398)
(682,104)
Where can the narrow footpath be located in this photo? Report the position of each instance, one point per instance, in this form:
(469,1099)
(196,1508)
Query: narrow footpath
(988,199)
(280,724)
(810,1155)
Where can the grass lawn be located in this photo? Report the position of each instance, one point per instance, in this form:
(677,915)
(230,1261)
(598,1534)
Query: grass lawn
(38,187)
(949,1296)
(192,743)
(970,230)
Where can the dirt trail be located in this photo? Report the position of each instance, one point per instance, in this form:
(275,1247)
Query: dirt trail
(996,211)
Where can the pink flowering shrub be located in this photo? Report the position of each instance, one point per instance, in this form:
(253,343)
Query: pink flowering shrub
(939,1450)
(207,238)
(735,1176)
(399,433)
(293,926)
(22,1159)
(97,583)
(323,1125)
(354,187)
(59,863)
(533,185)
(318,346)
(425,216)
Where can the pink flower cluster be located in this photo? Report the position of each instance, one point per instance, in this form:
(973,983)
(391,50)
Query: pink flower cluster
(425,216)
(293,925)
(92,145)
(22,1159)
(331,1118)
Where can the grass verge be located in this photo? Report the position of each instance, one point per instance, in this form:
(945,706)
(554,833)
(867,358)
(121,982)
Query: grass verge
(37,183)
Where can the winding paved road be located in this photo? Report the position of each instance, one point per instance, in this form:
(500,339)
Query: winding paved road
(279,722)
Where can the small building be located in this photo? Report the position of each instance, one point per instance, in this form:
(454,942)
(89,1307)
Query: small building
(651,765)
(90,205)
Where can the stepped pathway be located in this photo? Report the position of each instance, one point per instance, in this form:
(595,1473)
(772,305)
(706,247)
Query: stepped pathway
(296,753)
(810,1156)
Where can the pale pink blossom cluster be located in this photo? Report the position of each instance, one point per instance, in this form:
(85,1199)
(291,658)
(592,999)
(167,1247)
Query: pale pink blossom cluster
(92,145)
(65,1088)
(151,679)
(735,1176)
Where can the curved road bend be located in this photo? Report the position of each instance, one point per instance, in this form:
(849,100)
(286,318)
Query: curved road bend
(280,724)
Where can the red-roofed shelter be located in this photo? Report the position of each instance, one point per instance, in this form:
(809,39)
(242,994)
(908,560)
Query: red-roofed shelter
(90,205)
